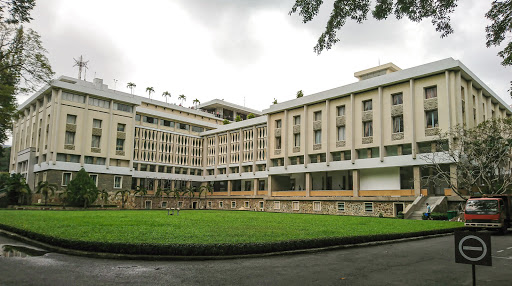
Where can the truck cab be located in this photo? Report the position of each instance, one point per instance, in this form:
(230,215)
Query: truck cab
(488,212)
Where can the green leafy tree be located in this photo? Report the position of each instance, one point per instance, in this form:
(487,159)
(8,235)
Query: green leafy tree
(131,86)
(23,62)
(141,191)
(480,158)
(275,101)
(208,188)
(150,90)
(300,94)
(166,94)
(438,11)
(82,190)
(125,194)
(176,193)
(250,116)
(238,118)
(17,189)
(46,189)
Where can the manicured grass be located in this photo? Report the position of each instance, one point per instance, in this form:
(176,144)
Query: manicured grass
(205,226)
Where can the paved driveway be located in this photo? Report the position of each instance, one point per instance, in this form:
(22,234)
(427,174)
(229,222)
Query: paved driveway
(421,262)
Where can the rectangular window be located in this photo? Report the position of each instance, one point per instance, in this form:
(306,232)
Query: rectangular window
(73,97)
(431,92)
(71,119)
(340,110)
(95,143)
(150,120)
(341,206)
(221,205)
(296,120)
(368,207)
(66,178)
(278,123)
(118,182)
(246,204)
(96,123)
(183,126)
(277,205)
(69,138)
(119,144)
(368,129)
(100,161)
(88,160)
(99,102)
(367,105)
(397,98)
(318,136)
(180,204)
(317,206)
(278,143)
(295,206)
(398,124)
(233,204)
(296,140)
(164,205)
(121,127)
(123,107)
(341,133)
(94,178)
(137,117)
(167,123)
(432,119)
(318,115)
(197,129)
(209,204)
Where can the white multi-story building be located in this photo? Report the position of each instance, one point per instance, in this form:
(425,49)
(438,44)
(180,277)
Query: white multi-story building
(354,149)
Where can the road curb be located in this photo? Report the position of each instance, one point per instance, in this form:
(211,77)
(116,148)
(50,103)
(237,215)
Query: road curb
(106,255)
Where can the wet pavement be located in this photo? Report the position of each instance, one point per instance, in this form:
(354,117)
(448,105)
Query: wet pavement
(421,262)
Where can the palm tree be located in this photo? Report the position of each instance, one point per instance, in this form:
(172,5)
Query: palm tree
(196,102)
(63,197)
(141,190)
(131,86)
(183,98)
(191,194)
(206,189)
(124,196)
(166,94)
(150,90)
(103,197)
(17,189)
(46,189)
(176,194)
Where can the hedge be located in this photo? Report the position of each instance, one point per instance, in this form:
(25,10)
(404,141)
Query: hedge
(220,249)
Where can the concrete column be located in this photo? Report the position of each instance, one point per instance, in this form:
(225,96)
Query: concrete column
(328,132)
(84,127)
(458,97)
(413,116)
(268,142)
(417,180)
(478,107)
(489,108)
(284,137)
(304,134)
(230,187)
(255,187)
(453,175)
(111,132)
(43,132)
(269,185)
(173,184)
(254,148)
(53,136)
(216,163)
(381,123)
(241,151)
(308,184)
(448,101)
(352,129)
(355,183)
(467,98)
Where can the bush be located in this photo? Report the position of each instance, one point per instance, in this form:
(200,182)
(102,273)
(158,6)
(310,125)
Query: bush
(439,216)
(82,190)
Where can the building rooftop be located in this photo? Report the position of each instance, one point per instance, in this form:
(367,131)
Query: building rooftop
(220,103)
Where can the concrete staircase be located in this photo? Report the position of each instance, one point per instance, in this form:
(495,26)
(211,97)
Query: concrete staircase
(418,207)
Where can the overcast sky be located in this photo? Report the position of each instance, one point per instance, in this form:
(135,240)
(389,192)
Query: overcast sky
(246,50)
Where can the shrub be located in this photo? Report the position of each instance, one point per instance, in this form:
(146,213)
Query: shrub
(82,190)
(251,115)
(439,216)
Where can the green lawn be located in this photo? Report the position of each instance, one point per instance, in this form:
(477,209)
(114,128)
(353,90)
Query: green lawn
(204,226)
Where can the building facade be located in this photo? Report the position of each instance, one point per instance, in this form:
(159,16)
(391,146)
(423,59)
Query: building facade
(352,150)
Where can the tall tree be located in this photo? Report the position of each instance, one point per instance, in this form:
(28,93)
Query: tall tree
(125,194)
(300,94)
(131,86)
(46,189)
(166,94)
(150,90)
(103,197)
(17,189)
(23,62)
(82,190)
(196,102)
(183,98)
(438,11)
(208,188)
(480,158)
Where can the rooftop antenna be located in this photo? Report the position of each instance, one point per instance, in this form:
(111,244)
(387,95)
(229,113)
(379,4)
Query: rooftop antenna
(81,64)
